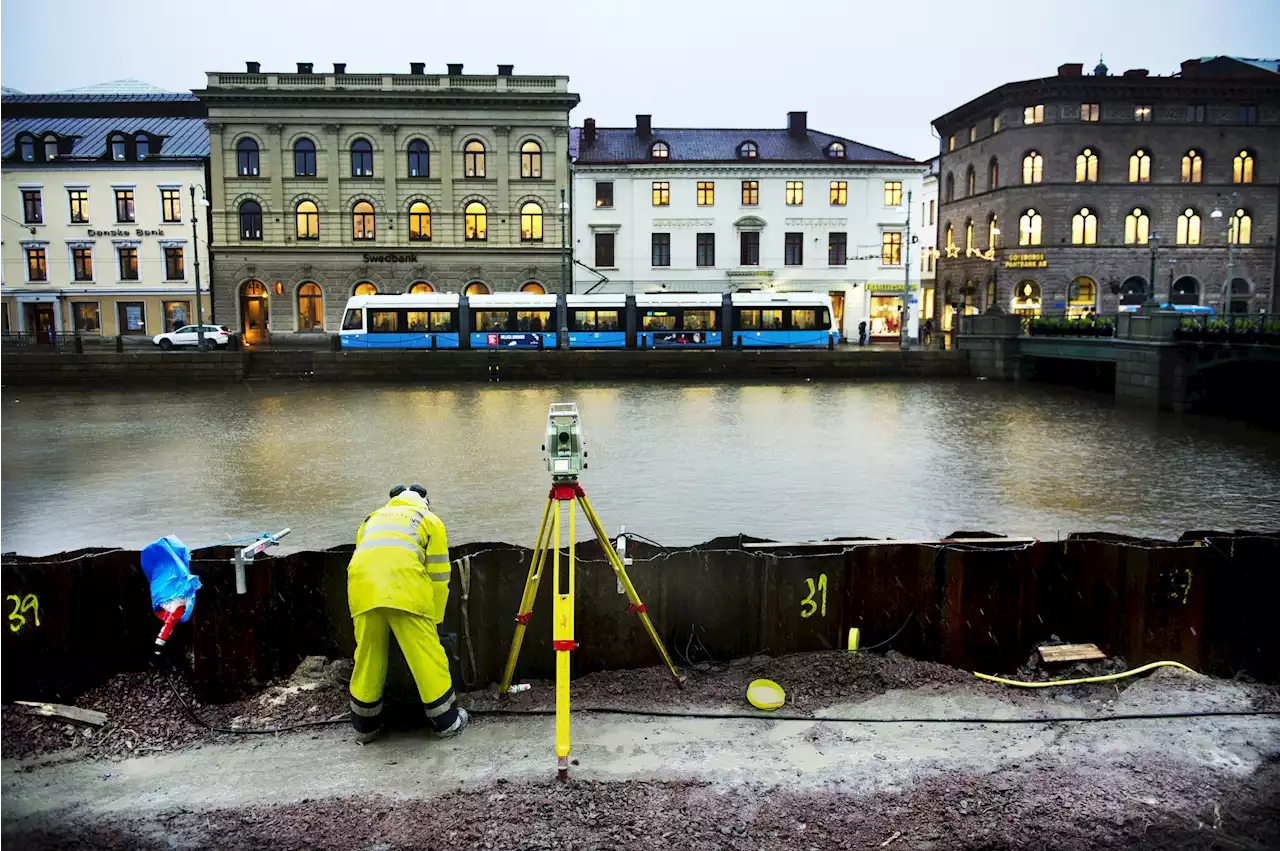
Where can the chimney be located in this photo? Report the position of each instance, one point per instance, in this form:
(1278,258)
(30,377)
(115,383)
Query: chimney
(253,67)
(589,131)
(1191,68)
(798,123)
(304,67)
(644,126)
(417,69)
(1071,69)
(505,70)
(339,67)
(1136,72)
(455,69)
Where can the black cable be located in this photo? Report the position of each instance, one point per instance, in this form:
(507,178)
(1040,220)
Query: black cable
(895,635)
(191,713)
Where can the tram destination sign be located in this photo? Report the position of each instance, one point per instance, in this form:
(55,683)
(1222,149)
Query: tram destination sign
(1025,261)
(390,258)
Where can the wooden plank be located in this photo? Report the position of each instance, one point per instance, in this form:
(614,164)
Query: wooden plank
(1071,653)
(68,713)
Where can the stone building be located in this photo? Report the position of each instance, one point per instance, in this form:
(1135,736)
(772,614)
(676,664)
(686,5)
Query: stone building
(329,183)
(1098,192)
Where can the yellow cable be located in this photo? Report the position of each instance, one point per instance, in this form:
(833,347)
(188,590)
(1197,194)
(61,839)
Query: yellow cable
(1101,679)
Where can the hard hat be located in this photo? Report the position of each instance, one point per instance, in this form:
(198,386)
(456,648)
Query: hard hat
(415,489)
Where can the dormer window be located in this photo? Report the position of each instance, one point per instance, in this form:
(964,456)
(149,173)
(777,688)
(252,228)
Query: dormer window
(50,148)
(26,149)
(748,151)
(117,147)
(835,151)
(659,151)
(142,145)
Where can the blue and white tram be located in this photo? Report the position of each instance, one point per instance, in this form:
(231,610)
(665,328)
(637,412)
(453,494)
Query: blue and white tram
(684,321)
(420,321)
(782,319)
(597,321)
(512,321)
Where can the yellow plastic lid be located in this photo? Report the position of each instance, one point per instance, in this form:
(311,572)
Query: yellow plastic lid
(766,694)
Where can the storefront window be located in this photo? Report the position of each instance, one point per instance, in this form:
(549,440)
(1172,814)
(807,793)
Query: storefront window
(885,315)
(1083,295)
(85,313)
(176,314)
(1026,299)
(132,316)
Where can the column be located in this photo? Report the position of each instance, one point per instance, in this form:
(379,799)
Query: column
(447,224)
(390,164)
(331,217)
(216,190)
(502,168)
(275,157)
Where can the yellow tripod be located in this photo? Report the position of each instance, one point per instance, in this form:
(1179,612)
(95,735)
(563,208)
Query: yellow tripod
(562,604)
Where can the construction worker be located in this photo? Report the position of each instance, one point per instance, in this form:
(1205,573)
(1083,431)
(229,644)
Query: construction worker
(398,582)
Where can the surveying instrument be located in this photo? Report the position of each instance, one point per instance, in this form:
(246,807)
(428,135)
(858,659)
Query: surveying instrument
(566,456)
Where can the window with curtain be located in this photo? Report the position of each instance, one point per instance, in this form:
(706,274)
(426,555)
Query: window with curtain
(310,308)
(531,222)
(363,225)
(531,160)
(476,222)
(251,221)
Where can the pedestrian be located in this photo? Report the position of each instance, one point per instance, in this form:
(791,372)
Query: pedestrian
(398,582)
(862,333)
(926,332)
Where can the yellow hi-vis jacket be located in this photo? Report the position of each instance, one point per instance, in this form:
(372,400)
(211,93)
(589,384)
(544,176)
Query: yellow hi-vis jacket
(401,562)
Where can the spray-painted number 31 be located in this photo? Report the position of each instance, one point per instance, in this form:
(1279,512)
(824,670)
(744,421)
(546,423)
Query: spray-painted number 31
(28,603)
(808,606)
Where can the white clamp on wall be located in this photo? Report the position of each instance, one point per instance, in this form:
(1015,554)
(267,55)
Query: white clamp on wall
(245,554)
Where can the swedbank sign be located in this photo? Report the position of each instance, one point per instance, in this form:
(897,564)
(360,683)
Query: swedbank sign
(390,258)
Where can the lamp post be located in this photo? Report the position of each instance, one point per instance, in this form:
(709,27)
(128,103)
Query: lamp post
(1232,239)
(1154,242)
(195,250)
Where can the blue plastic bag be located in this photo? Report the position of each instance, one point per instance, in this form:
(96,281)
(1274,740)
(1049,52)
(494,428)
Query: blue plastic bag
(166,564)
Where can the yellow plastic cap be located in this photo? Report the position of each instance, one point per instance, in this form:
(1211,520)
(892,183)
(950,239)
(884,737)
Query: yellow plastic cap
(766,694)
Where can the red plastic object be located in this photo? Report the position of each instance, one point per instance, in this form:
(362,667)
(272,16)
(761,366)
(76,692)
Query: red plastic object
(170,619)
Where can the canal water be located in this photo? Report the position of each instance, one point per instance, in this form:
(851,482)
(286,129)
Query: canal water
(678,464)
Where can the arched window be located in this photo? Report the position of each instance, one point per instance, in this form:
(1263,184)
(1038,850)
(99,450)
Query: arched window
(1133,290)
(950,237)
(748,151)
(970,183)
(1029,224)
(476,288)
(534,287)
(26,148)
(476,222)
(836,150)
(993,231)
(993,170)
(531,159)
(531,223)
(1186,290)
(1137,227)
(1087,166)
(951,187)
(304,158)
(1242,168)
(251,221)
(1188,227)
(51,148)
(246,157)
(1032,167)
(361,158)
(1084,227)
(659,151)
(473,158)
(310,308)
(1191,166)
(421,287)
(1026,299)
(308,220)
(1240,228)
(968,236)
(1082,296)
(418,159)
(362,221)
(1240,292)
(141,147)
(117,149)
(364,288)
(1140,166)
(419,221)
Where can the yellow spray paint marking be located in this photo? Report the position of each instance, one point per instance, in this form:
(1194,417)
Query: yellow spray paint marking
(29,603)
(809,606)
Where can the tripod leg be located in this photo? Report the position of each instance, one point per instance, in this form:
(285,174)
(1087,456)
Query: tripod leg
(526,600)
(562,641)
(621,572)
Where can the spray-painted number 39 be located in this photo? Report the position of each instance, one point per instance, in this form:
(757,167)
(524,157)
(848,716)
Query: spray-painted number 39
(28,603)
(808,606)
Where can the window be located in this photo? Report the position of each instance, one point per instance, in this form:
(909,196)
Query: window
(951,143)
(1029,224)
(51,148)
(363,225)
(706,249)
(1089,112)
(891,249)
(660,249)
(659,151)
(1087,166)
(246,158)
(82,264)
(892,193)
(419,221)
(1195,113)
(86,317)
(1032,167)
(1191,166)
(753,319)
(531,223)
(117,148)
(131,317)
(795,192)
(128,263)
(141,147)
(421,287)
(1189,227)
(251,221)
(973,134)
(931,211)
(839,193)
(950,194)
(1140,167)
(661,193)
(361,158)
(304,158)
(26,151)
(419,159)
(308,220)
(748,151)
(531,160)
(993,231)
(968,237)
(32,208)
(1142,112)
(995,124)
(971,183)
(604,250)
(706,193)
(1084,227)
(604,193)
(950,237)
(473,158)
(1137,227)
(174,268)
(176,314)
(835,151)
(171,204)
(1247,115)
(476,222)
(364,288)
(593,320)
(353,320)
(124,205)
(1033,114)
(793,250)
(1240,228)
(80,205)
(1241,168)
(749,248)
(37,267)
(993,177)
(751,193)
(310,308)
(837,249)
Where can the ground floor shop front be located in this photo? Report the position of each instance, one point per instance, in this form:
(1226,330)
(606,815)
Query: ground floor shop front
(98,313)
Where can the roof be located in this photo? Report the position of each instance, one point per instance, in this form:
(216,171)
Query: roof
(183,137)
(118,87)
(1272,65)
(702,145)
(12,98)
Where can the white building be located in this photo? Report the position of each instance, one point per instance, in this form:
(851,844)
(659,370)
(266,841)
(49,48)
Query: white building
(710,210)
(925,241)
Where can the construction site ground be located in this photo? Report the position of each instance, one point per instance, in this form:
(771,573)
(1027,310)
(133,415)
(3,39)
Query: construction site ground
(154,779)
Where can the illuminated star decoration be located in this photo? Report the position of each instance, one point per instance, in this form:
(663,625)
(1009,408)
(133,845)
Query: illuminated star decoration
(953,251)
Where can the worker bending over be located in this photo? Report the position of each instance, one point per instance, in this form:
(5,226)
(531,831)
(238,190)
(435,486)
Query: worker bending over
(398,582)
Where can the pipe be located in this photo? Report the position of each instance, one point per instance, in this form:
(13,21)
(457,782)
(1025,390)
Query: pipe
(1099,679)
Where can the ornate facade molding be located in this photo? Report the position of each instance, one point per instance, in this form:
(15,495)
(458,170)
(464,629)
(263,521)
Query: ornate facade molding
(276,129)
(389,129)
(684,223)
(816,223)
(215,127)
(331,129)
(502,129)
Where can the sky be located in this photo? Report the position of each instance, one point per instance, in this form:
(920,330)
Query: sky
(876,72)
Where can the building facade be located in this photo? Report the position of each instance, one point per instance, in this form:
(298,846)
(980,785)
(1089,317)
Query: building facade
(333,183)
(1078,193)
(711,210)
(97,234)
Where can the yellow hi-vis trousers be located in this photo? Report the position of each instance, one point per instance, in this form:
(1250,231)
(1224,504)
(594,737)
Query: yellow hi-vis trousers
(420,645)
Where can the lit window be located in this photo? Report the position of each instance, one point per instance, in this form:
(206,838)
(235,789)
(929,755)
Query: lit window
(308,220)
(892,193)
(310,308)
(835,151)
(951,242)
(531,223)
(361,158)
(1140,167)
(1029,224)
(476,222)
(171,205)
(304,158)
(1240,229)
(37,265)
(971,183)
(748,151)
(1089,112)
(750,193)
(1033,114)
(419,221)
(891,249)
(117,148)
(1189,227)
(124,205)
(531,159)
(79,199)
(839,193)
(706,193)
(973,133)
(660,151)
(1242,168)
(1137,227)
(1084,227)
(365,288)
(951,142)
(968,236)
(473,158)
(1087,166)
(661,193)
(992,231)
(1191,166)
(174,268)
(795,192)
(82,263)
(419,159)
(1142,112)
(994,179)
(1032,167)
(363,225)
(995,125)
(51,148)
(251,221)
(604,193)
(421,287)
(246,157)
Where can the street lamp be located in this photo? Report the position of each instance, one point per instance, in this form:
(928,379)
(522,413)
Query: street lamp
(1231,245)
(195,250)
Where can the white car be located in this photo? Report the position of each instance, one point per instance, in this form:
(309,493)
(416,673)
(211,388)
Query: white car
(188,335)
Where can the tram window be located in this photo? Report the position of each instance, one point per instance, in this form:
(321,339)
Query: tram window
(824,319)
(752,319)
(658,320)
(442,321)
(382,321)
(353,320)
(491,320)
(804,320)
(699,320)
(533,320)
(595,320)
(429,320)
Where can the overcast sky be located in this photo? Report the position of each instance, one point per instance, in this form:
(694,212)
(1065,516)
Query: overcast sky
(877,72)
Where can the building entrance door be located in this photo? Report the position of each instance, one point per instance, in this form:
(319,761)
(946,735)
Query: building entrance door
(837,311)
(40,323)
(253,313)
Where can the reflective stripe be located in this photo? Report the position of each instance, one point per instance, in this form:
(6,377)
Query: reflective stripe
(439,575)
(440,705)
(438,558)
(365,711)
(368,544)
(396,528)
